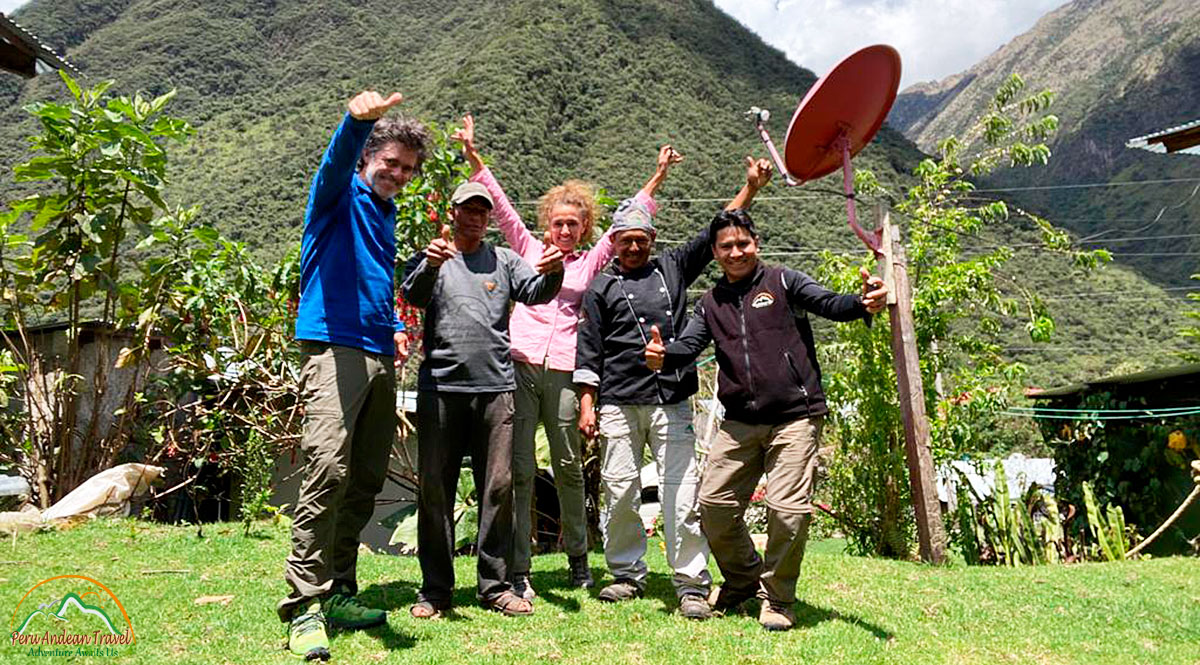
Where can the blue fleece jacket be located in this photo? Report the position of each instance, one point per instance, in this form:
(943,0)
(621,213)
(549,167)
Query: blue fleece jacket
(348,253)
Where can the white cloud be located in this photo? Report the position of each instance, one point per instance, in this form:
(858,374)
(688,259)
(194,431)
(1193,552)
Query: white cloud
(936,38)
(8,6)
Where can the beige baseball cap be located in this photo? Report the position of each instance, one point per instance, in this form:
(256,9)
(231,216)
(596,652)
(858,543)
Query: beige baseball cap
(469,190)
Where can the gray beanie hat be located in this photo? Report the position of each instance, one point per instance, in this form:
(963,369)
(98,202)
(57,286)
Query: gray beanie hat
(632,214)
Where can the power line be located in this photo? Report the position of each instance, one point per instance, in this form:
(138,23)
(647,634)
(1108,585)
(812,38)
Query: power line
(1158,410)
(1088,185)
(822,195)
(1156,254)
(1116,293)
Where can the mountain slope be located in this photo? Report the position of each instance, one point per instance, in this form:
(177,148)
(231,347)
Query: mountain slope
(1120,68)
(564,88)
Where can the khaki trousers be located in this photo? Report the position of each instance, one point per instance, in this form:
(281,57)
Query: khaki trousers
(740,455)
(349,426)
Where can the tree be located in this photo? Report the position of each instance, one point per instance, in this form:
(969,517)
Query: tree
(63,260)
(962,301)
(1192,332)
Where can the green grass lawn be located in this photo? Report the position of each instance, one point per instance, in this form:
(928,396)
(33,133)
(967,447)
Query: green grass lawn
(852,609)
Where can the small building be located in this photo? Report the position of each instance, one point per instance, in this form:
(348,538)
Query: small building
(1132,438)
(1182,139)
(23,54)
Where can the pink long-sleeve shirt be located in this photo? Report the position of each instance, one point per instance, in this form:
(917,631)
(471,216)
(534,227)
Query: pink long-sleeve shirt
(545,334)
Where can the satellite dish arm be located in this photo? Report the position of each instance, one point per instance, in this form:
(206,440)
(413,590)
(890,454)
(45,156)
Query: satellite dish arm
(871,240)
(760,117)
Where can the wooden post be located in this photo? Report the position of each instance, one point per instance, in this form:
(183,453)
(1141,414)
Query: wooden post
(931,534)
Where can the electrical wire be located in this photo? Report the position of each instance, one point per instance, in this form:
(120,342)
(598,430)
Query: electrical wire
(1088,185)
(1088,415)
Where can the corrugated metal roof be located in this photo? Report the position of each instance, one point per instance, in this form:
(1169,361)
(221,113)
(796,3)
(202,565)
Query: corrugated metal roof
(1123,379)
(46,59)
(1156,142)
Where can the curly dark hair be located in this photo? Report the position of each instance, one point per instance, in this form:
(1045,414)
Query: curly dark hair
(408,132)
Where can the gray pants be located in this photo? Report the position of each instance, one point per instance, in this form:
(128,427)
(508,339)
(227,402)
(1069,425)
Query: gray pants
(550,397)
(625,432)
(740,455)
(349,426)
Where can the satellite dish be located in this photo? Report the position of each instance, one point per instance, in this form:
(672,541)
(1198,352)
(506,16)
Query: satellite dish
(851,101)
(838,117)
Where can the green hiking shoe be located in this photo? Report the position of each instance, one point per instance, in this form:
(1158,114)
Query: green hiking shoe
(348,613)
(306,634)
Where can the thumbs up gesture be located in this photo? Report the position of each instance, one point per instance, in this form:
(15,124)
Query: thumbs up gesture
(874,292)
(758,172)
(370,105)
(441,249)
(656,352)
(552,256)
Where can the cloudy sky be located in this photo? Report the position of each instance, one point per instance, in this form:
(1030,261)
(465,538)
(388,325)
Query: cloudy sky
(935,38)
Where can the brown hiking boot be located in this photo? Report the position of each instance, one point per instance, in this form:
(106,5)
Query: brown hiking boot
(620,590)
(727,598)
(776,616)
(694,606)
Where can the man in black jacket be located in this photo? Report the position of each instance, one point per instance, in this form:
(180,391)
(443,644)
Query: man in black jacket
(770,386)
(639,407)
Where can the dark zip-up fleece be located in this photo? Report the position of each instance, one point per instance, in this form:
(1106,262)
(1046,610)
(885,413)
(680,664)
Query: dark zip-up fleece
(614,327)
(765,351)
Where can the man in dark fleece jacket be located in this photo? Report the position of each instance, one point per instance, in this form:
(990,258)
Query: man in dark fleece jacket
(639,408)
(770,386)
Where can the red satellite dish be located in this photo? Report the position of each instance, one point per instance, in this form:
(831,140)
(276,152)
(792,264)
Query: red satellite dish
(837,118)
(852,100)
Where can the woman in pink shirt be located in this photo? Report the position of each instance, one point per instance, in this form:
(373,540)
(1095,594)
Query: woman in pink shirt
(543,350)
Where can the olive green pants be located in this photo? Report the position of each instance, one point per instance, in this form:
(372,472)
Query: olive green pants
(349,427)
(547,396)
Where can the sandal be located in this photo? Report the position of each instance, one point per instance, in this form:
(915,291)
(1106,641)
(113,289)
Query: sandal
(510,605)
(425,610)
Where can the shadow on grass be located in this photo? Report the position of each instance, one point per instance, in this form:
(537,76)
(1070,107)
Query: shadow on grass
(808,616)
(390,639)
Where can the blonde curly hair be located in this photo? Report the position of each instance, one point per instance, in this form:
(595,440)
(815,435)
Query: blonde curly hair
(573,193)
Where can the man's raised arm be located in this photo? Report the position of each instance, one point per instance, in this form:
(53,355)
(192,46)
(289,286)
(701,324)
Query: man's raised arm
(341,157)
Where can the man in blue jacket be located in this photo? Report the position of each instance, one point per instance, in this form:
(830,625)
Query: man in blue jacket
(350,338)
(770,386)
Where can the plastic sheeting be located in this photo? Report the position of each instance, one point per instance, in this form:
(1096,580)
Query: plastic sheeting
(105,493)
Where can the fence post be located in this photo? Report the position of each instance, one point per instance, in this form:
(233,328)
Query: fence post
(931,534)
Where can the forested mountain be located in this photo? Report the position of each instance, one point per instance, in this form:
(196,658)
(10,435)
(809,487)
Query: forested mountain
(1121,69)
(560,88)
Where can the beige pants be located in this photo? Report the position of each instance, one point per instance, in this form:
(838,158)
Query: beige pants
(740,455)
(349,426)
(625,433)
